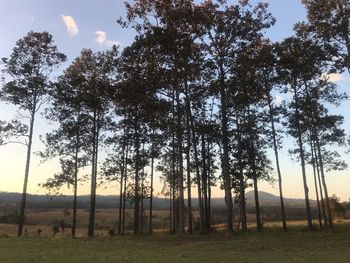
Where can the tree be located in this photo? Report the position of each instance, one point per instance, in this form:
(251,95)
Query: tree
(70,141)
(27,73)
(338,211)
(325,129)
(299,62)
(94,75)
(225,30)
(329,21)
(263,62)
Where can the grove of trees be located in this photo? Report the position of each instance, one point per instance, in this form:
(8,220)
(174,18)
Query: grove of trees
(193,99)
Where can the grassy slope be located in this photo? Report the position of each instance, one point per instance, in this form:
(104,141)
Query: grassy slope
(297,245)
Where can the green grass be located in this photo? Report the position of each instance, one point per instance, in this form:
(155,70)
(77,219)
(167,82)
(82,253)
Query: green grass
(271,245)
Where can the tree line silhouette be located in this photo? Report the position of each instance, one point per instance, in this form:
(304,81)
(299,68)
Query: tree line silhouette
(193,97)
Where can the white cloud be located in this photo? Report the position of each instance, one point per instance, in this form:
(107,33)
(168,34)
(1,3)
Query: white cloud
(332,77)
(71,26)
(32,19)
(101,39)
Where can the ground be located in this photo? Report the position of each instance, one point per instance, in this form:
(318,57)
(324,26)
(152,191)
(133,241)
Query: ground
(271,245)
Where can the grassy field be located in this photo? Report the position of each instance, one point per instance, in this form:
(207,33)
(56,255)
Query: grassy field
(271,245)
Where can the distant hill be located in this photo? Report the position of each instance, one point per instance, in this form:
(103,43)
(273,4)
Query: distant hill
(109,201)
(267,199)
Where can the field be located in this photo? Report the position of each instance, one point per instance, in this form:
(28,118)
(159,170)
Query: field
(105,219)
(271,245)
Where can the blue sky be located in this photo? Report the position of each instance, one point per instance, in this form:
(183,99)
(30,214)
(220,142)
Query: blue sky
(77,24)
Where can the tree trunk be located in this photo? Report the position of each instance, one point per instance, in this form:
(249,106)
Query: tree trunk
(209,184)
(173,168)
(315,181)
(125,181)
(328,207)
(26,174)
(198,177)
(275,148)
(142,209)
(74,220)
(137,197)
(320,187)
(170,209)
(151,194)
(121,187)
(205,189)
(188,160)
(225,147)
(120,209)
(302,160)
(241,178)
(93,179)
(180,164)
(257,205)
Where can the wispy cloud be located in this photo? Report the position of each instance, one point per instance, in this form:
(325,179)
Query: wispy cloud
(333,77)
(102,40)
(71,26)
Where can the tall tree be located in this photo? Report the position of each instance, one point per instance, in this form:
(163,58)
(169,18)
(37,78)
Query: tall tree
(70,141)
(299,61)
(95,75)
(225,29)
(27,72)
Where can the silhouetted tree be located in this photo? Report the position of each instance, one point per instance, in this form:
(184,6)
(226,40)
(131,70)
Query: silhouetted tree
(28,85)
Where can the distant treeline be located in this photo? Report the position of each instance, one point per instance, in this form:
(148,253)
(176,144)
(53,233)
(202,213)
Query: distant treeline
(111,201)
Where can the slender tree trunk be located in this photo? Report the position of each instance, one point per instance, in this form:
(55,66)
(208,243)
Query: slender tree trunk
(302,160)
(74,220)
(225,147)
(173,168)
(125,181)
(306,188)
(205,181)
(255,182)
(93,180)
(151,194)
(198,177)
(188,160)
(242,197)
(209,203)
(120,208)
(137,197)
(275,148)
(189,196)
(142,208)
(315,181)
(328,207)
(320,187)
(209,184)
(170,209)
(121,187)
(26,173)
(241,177)
(257,204)
(180,164)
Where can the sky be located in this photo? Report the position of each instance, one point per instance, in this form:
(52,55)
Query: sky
(78,24)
